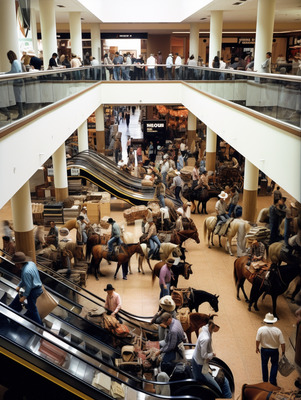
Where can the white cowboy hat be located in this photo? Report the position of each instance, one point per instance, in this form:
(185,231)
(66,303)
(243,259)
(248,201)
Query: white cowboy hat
(270,319)
(223,195)
(167,303)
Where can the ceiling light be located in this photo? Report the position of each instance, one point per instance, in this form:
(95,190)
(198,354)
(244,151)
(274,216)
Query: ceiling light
(61,6)
(202,19)
(238,3)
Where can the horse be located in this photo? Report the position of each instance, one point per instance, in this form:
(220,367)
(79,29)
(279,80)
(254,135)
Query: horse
(55,255)
(201,296)
(179,237)
(183,269)
(241,273)
(197,321)
(258,391)
(264,218)
(277,283)
(166,250)
(209,225)
(125,253)
(201,195)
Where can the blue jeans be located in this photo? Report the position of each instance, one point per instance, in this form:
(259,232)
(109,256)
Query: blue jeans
(221,219)
(267,354)
(116,73)
(152,243)
(32,311)
(169,73)
(231,209)
(177,193)
(151,74)
(112,241)
(205,378)
(161,200)
(164,292)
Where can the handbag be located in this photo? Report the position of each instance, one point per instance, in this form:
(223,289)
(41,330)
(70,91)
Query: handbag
(285,367)
(45,303)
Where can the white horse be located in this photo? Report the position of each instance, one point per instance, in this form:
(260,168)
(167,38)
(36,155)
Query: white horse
(235,226)
(166,250)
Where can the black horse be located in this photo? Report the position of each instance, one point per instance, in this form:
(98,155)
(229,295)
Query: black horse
(201,195)
(198,297)
(184,269)
(276,283)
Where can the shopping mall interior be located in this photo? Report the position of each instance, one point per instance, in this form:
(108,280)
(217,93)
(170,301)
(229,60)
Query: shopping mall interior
(60,155)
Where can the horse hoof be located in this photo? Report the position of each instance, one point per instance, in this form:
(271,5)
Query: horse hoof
(249,309)
(238,298)
(256,308)
(143,273)
(247,301)
(96,278)
(115,277)
(125,278)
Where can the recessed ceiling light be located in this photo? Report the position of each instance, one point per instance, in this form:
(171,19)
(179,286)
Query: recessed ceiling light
(82,19)
(202,19)
(61,6)
(236,4)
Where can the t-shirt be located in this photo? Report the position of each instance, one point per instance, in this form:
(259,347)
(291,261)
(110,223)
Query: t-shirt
(270,337)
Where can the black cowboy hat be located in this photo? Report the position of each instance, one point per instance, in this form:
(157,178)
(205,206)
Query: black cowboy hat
(110,220)
(109,287)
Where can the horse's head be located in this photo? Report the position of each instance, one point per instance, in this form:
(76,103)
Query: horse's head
(214,302)
(187,270)
(195,236)
(176,252)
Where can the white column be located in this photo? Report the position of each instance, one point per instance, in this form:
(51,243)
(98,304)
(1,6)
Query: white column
(99,117)
(33,28)
(211,138)
(60,167)
(76,34)
(250,176)
(48,30)
(21,209)
(216,32)
(95,41)
(191,131)
(194,40)
(264,31)
(83,140)
(8,32)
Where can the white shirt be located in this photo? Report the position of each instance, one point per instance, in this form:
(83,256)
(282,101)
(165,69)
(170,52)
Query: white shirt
(222,64)
(203,348)
(270,337)
(169,62)
(94,63)
(151,61)
(178,62)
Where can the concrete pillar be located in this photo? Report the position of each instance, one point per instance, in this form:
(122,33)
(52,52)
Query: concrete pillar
(264,31)
(33,28)
(60,173)
(100,130)
(191,131)
(95,41)
(22,221)
(48,30)
(83,140)
(194,40)
(8,32)
(76,34)
(250,191)
(210,150)
(216,32)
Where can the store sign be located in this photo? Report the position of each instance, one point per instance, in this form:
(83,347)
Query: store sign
(50,172)
(75,171)
(154,126)
(134,35)
(246,40)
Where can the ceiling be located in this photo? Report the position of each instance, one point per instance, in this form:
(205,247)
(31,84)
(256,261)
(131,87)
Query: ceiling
(171,15)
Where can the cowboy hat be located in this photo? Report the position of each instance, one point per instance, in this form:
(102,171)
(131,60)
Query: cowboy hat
(270,319)
(30,53)
(110,220)
(109,287)
(167,303)
(20,258)
(223,195)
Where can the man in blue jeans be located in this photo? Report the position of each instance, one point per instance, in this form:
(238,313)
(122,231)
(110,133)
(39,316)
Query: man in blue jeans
(269,337)
(32,285)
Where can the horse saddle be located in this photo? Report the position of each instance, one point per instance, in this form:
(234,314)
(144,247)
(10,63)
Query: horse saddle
(164,237)
(258,267)
(285,395)
(224,228)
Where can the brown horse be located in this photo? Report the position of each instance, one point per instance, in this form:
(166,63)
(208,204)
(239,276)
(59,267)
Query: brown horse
(183,269)
(241,273)
(258,391)
(179,237)
(125,253)
(197,321)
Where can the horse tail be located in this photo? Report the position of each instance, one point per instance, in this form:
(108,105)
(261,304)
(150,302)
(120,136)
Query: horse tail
(205,229)
(235,271)
(153,275)
(88,250)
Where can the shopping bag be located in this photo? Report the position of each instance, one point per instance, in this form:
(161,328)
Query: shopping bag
(285,367)
(45,303)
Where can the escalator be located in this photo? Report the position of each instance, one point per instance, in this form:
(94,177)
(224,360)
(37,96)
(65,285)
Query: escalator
(89,349)
(103,173)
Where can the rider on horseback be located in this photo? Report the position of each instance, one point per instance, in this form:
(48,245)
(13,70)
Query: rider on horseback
(255,252)
(115,237)
(153,240)
(221,211)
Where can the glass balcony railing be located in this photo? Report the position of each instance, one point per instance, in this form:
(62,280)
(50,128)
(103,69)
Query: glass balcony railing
(275,95)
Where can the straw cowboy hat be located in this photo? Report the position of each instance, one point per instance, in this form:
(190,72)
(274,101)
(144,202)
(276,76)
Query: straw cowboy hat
(20,258)
(167,303)
(223,195)
(270,319)
(31,53)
